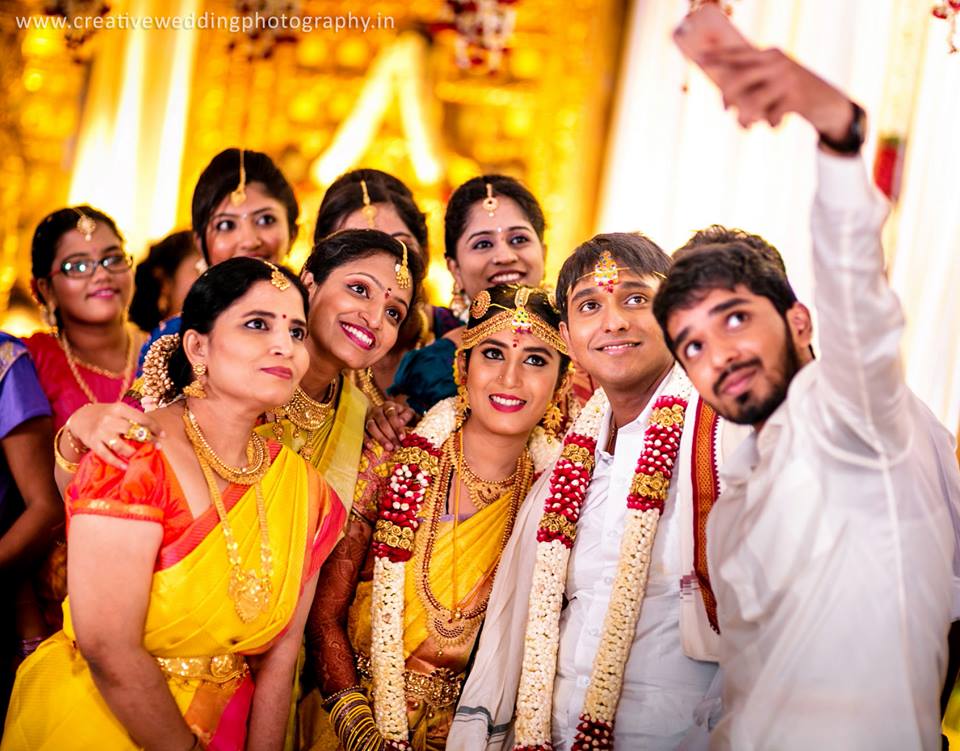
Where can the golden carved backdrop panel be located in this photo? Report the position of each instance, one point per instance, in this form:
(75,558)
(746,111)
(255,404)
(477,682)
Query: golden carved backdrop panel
(541,118)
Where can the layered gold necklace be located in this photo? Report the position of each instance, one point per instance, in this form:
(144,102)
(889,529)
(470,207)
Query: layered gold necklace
(453,626)
(307,415)
(125,376)
(249,590)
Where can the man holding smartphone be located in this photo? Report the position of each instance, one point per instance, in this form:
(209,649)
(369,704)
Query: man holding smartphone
(832,548)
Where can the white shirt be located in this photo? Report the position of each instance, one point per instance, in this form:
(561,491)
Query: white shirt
(661,686)
(830,549)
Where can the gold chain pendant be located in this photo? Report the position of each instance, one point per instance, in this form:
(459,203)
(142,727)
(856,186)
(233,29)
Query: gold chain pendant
(250,594)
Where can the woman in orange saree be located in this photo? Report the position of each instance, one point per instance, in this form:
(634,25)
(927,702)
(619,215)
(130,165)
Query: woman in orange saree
(404,594)
(191,570)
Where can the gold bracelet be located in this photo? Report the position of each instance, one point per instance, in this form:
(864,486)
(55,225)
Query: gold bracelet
(82,448)
(337,695)
(65,464)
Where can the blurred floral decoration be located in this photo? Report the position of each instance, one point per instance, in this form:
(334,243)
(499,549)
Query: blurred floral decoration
(267,25)
(948,11)
(71,10)
(484,29)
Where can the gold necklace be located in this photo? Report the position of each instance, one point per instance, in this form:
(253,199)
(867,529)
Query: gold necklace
(249,590)
(126,377)
(369,387)
(451,627)
(307,416)
(258,462)
(482,492)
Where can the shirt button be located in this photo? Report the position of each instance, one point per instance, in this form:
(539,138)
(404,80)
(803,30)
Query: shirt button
(583,681)
(608,580)
(594,632)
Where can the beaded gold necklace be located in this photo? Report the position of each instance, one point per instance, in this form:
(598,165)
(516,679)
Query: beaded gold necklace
(125,376)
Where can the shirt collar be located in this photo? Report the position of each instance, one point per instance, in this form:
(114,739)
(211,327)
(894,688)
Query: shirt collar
(639,423)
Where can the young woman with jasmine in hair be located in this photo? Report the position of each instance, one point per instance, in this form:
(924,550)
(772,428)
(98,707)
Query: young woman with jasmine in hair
(374,199)
(242,206)
(192,570)
(404,594)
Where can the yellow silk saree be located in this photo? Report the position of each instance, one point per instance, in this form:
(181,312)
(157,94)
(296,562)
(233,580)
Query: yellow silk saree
(447,572)
(191,627)
(335,447)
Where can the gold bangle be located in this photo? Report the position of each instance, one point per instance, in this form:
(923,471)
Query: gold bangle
(337,695)
(82,448)
(65,464)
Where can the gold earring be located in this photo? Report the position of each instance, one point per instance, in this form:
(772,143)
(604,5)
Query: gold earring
(553,416)
(195,388)
(462,404)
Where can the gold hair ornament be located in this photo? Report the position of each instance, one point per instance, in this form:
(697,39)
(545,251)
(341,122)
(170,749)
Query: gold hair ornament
(490,203)
(239,194)
(86,225)
(480,305)
(516,319)
(277,278)
(368,210)
(401,269)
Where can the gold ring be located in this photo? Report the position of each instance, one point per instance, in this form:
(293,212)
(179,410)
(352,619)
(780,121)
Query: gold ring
(137,432)
(389,409)
(112,442)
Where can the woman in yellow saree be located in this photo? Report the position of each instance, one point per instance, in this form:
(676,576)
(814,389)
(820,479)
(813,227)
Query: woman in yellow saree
(192,569)
(356,309)
(404,594)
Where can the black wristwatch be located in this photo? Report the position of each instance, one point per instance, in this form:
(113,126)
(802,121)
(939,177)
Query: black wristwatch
(855,136)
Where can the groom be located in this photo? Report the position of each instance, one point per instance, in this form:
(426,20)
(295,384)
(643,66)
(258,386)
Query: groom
(645,410)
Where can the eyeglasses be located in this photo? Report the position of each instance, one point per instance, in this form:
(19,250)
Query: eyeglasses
(80,267)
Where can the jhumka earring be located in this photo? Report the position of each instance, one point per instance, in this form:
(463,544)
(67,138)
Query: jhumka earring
(553,416)
(368,210)
(195,388)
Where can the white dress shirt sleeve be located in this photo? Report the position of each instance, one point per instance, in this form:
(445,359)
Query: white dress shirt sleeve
(861,321)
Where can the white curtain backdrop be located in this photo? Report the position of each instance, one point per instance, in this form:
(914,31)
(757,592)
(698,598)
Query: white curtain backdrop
(677,162)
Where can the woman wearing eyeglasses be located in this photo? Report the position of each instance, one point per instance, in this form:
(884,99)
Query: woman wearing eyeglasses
(83,279)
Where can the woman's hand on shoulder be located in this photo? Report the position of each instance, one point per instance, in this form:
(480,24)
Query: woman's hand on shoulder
(113,432)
